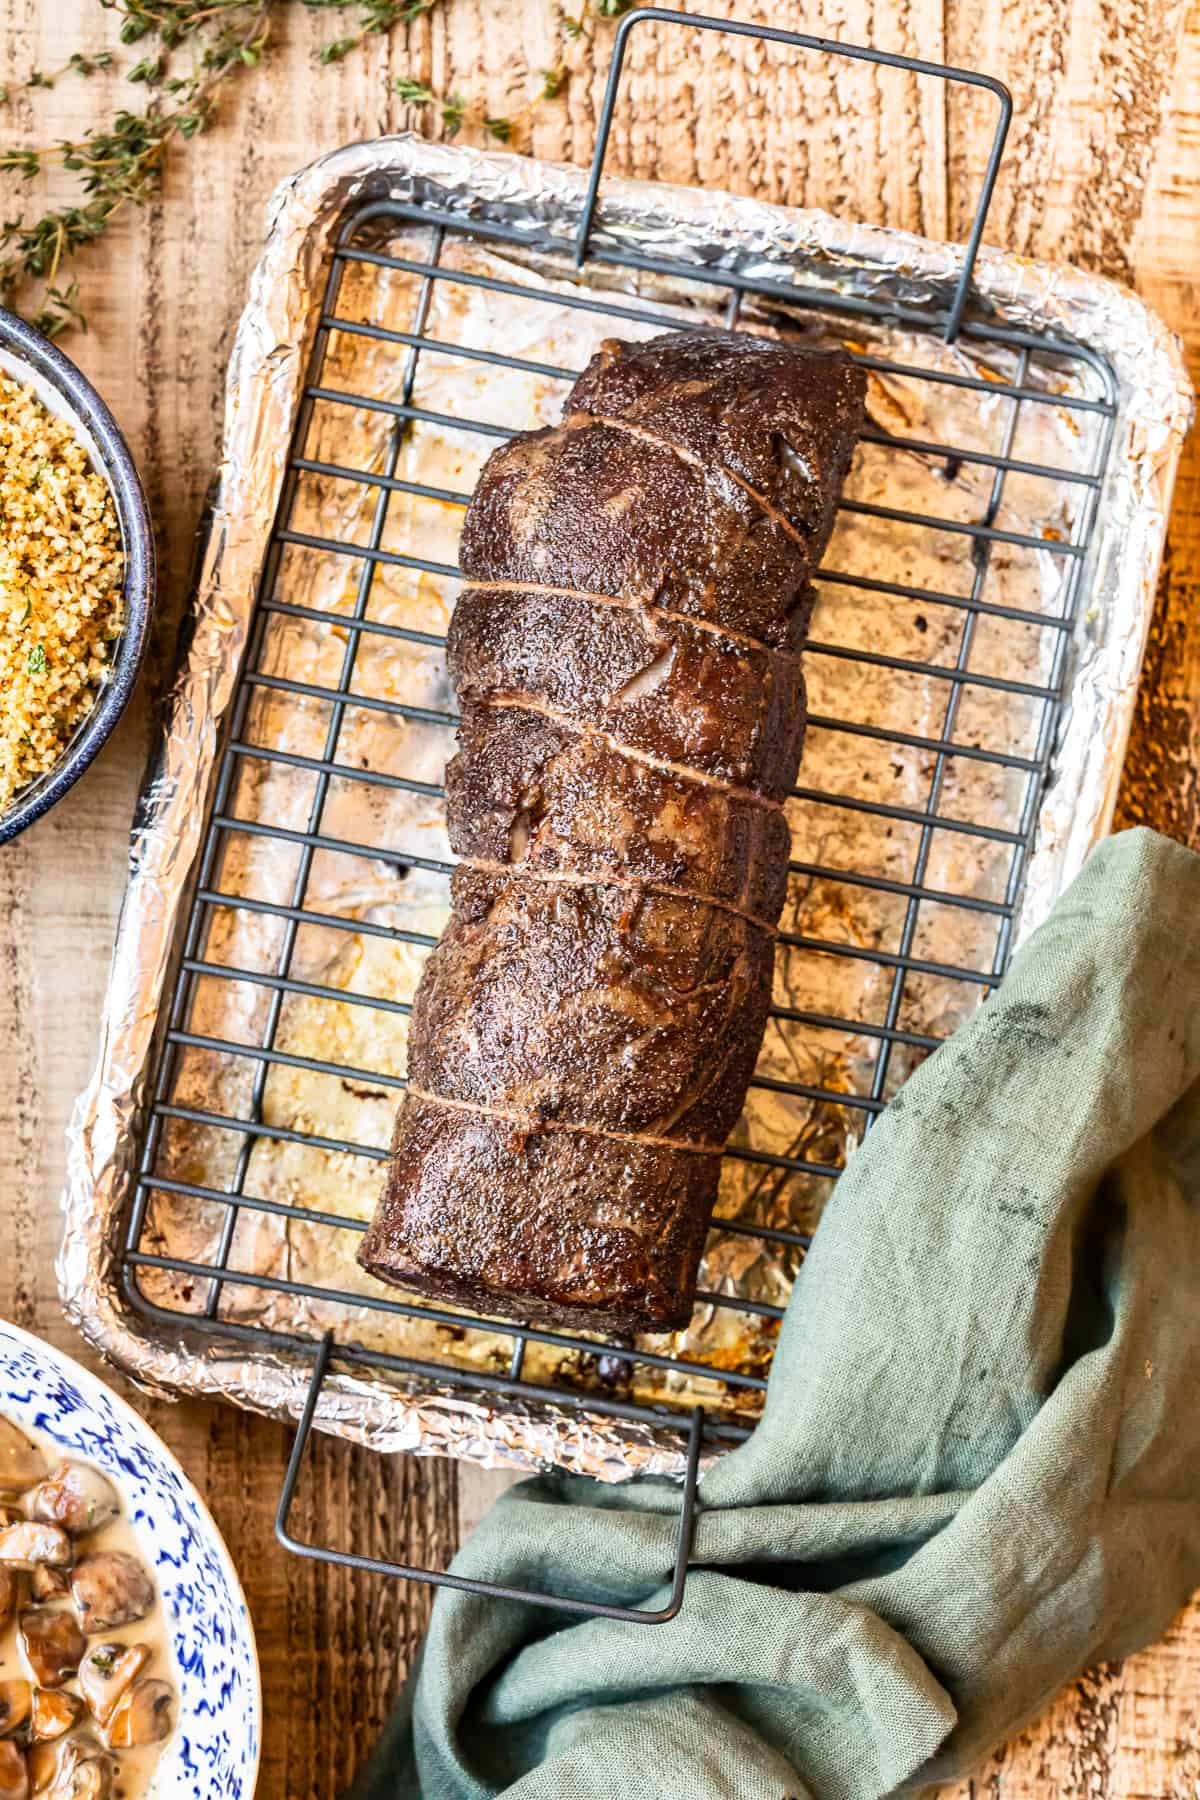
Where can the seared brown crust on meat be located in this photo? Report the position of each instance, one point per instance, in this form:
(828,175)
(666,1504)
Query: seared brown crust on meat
(724,706)
(527,791)
(603,1007)
(616,1231)
(633,709)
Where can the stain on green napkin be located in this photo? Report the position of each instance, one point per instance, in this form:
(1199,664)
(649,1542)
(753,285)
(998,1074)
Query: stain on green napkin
(978,1470)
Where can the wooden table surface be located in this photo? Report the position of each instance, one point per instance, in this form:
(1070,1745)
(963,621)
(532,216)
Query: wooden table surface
(1103,170)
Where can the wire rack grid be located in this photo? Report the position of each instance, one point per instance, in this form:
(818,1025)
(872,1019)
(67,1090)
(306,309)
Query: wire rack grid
(423,250)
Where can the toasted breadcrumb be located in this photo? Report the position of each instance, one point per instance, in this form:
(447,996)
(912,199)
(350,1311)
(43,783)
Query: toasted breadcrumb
(61,606)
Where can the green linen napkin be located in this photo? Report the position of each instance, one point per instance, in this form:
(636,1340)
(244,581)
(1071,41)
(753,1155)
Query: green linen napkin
(978,1470)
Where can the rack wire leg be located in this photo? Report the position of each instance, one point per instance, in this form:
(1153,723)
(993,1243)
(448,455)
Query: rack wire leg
(635,1615)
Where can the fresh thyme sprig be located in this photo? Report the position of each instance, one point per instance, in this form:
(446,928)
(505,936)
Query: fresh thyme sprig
(120,164)
(453,111)
(375,18)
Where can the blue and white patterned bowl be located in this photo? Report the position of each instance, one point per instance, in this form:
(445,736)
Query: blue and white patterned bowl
(215,1747)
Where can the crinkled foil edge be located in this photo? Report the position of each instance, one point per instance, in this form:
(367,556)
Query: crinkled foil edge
(266,374)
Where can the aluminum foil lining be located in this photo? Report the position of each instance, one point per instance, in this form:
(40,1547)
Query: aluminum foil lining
(267,371)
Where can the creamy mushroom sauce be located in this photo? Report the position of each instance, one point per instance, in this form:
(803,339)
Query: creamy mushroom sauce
(131,1769)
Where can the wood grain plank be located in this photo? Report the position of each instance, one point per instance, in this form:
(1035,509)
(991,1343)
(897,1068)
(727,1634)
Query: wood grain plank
(169,285)
(1162,777)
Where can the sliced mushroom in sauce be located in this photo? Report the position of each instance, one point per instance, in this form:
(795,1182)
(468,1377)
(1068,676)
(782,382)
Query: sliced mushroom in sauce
(142,1716)
(44,1763)
(52,1644)
(48,1583)
(91,1779)
(16,1704)
(54,1713)
(28,1543)
(14,1772)
(110,1588)
(105,1673)
(78,1721)
(47,1762)
(77,1497)
(10,1593)
(21,1462)
(70,1771)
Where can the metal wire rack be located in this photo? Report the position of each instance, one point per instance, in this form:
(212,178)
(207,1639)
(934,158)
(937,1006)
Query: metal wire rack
(978,538)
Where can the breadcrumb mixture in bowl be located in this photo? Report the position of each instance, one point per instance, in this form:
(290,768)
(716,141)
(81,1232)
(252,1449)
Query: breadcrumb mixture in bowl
(61,601)
(77,574)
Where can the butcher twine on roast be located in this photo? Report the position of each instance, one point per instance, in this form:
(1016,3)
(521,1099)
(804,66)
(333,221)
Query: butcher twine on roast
(626,655)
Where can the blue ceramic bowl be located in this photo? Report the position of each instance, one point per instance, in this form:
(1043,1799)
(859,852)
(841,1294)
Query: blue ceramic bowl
(28,356)
(213,1752)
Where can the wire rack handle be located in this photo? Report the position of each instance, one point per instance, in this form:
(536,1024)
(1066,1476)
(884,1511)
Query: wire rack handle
(826,47)
(634,1615)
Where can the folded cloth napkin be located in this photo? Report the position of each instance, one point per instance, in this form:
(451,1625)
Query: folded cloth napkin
(978,1470)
